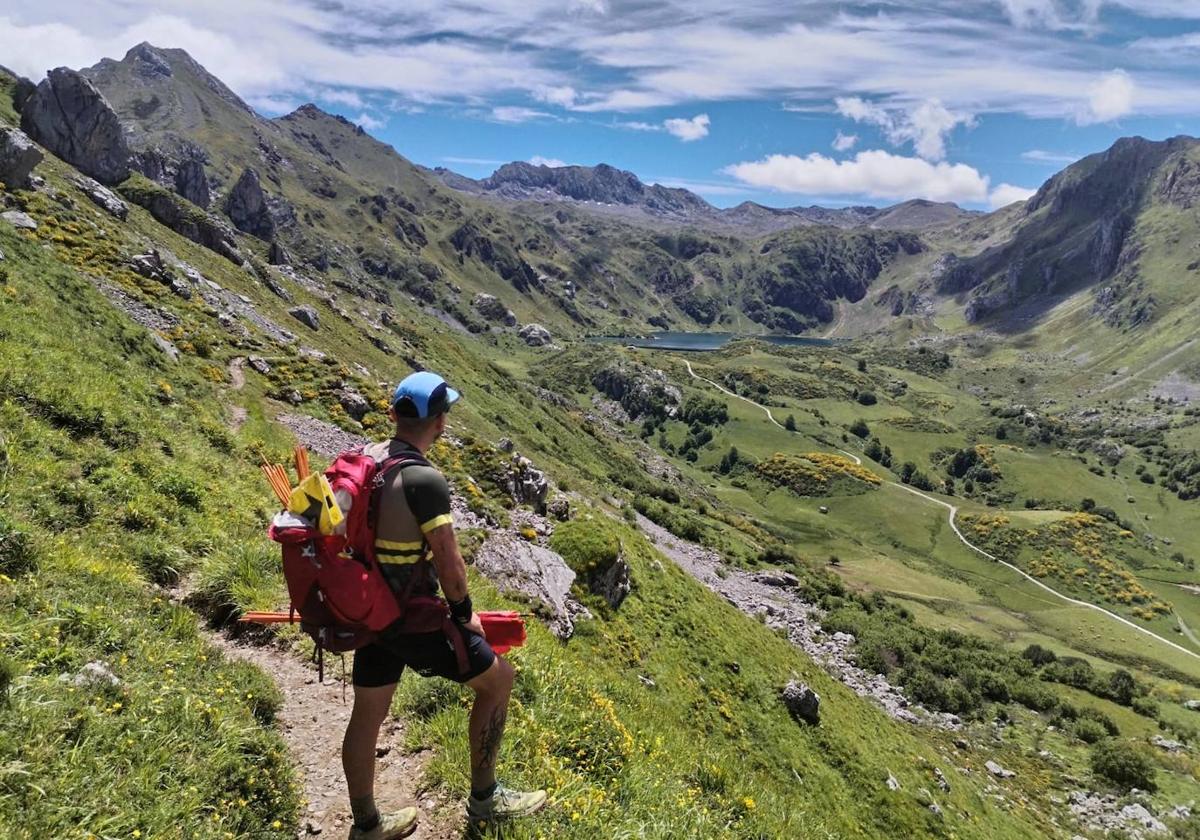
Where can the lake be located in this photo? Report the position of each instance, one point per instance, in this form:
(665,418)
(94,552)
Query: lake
(710,341)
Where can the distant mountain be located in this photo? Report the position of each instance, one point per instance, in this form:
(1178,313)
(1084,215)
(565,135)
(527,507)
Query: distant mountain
(1121,222)
(619,192)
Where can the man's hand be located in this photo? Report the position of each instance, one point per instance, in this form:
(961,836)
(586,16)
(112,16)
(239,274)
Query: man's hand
(475,625)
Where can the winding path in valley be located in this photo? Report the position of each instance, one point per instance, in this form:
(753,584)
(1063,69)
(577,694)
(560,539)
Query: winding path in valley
(954,526)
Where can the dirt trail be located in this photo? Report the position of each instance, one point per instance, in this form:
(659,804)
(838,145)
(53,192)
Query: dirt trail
(954,526)
(312,721)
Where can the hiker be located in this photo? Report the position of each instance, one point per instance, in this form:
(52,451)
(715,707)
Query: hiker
(414,522)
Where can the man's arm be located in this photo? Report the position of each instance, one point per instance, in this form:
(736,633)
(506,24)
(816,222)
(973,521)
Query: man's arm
(450,568)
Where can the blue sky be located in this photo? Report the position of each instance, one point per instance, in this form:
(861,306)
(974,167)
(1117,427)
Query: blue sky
(974,101)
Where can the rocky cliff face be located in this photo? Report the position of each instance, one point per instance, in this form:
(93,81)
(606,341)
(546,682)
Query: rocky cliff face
(68,116)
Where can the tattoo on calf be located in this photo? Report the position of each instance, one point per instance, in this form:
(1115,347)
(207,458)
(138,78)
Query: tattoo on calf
(489,746)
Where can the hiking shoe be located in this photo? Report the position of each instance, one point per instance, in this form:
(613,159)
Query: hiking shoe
(505,804)
(391,826)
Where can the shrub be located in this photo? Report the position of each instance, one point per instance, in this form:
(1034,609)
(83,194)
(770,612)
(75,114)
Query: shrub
(1145,707)
(1039,655)
(586,544)
(859,428)
(867,398)
(790,423)
(1123,764)
(16,551)
(1089,731)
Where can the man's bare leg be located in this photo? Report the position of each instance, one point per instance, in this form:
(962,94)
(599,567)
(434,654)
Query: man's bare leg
(488,714)
(371,706)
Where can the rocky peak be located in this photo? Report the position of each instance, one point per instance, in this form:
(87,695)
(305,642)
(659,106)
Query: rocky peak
(148,61)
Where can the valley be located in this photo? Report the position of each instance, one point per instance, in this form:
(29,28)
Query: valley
(957,448)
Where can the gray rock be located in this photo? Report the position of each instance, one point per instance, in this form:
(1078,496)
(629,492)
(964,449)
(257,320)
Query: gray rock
(802,702)
(278,290)
(489,306)
(535,335)
(149,265)
(773,578)
(170,210)
(19,220)
(505,445)
(559,509)
(18,157)
(306,315)
(942,782)
(295,399)
(998,771)
(169,349)
(22,90)
(1193,705)
(192,183)
(246,206)
(527,485)
(515,565)
(354,403)
(72,119)
(613,584)
(259,364)
(1164,744)
(102,196)
(93,675)
(892,782)
(277,255)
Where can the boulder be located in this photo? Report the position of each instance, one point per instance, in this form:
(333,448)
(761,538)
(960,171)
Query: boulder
(559,509)
(19,220)
(515,565)
(802,702)
(354,403)
(149,265)
(18,157)
(72,119)
(493,310)
(93,675)
(102,196)
(535,335)
(259,364)
(276,255)
(168,349)
(998,771)
(277,290)
(306,315)
(1166,744)
(613,584)
(192,183)
(1192,705)
(527,485)
(22,90)
(246,206)
(780,579)
(892,782)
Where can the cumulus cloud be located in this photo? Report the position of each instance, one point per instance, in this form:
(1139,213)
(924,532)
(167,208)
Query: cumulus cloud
(369,122)
(926,125)
(553,163)
(562,95)
(688,130)
(1110,98)
(1007,194)
(875,174)
(844,142)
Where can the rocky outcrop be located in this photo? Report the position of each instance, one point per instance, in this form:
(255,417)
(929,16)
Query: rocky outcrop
(68,116)
(277,255)
(612,584)
(246,206)
(638,390)
(535,335)
(18,157)
(354,403)
(306,315)
(950,275)
(19,220)
(802,702)
(527,485)
(192,183)
(537,573)
(22,90)
(185,219)
(102,196)
(490,307)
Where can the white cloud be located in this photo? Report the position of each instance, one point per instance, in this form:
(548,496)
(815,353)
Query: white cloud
(1007,194)
(844,142)
(637,125)
(926,125)
(1042,156)
(563,95)
(553,163)
(1052,14)
(1110,98)
(875,174)
(688,130)
(516,114)
(369,122)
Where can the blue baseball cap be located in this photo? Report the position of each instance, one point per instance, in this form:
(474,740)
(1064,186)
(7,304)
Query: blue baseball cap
(423,394)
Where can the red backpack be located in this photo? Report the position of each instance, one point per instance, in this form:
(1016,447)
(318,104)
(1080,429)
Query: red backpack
(335,581)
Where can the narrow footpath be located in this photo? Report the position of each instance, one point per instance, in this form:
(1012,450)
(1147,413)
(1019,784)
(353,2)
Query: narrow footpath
(954,526)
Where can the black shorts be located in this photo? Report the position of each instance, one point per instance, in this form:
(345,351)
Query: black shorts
(429,654)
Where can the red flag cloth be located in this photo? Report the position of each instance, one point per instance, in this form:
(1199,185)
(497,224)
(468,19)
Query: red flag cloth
(504,630)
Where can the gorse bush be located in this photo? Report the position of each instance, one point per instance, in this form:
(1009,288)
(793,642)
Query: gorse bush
(587,544)
(1123,764)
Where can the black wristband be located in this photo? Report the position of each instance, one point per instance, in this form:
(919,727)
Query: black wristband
(461,611)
